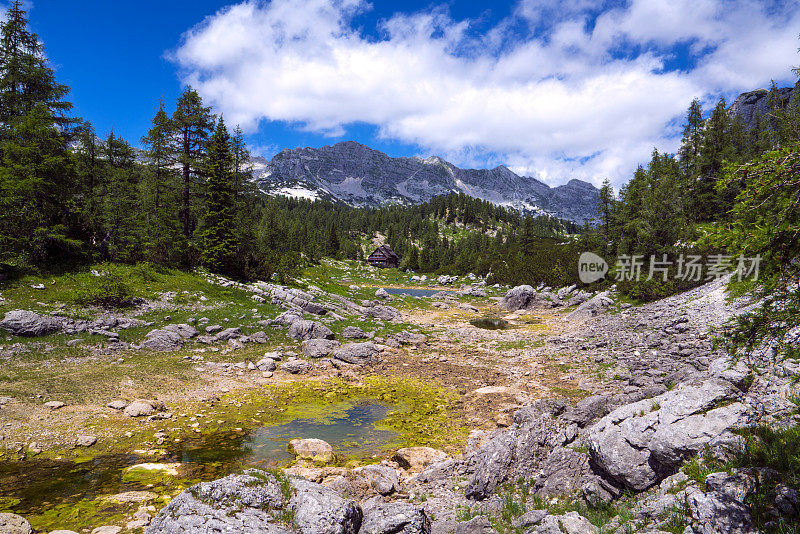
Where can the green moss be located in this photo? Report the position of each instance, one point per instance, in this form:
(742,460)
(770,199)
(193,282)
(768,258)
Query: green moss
(84,514)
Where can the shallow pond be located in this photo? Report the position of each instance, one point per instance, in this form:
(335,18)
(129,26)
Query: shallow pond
(490,323)
(31,487)
(413,292)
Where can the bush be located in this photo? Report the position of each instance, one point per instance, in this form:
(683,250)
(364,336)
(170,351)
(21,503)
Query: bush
(110,288)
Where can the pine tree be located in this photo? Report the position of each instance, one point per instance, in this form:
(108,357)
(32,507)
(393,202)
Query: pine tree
(193,124)
(606,200)
(218,232)
(123,226)
(692,139)
(37,180)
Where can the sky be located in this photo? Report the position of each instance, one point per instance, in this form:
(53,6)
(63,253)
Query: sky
(552,89)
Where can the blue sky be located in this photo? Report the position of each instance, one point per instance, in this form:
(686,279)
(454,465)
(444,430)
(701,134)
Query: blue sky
(552,89)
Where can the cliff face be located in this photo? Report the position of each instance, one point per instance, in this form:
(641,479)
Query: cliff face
(360,176)
(749,106)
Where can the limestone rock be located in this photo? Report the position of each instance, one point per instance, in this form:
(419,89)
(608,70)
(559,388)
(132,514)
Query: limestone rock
(353,332)
(476,525)
(356,353)
(54,405)
(142,407)
(318,510)
(184,330)
(592,307)
(313,449)
(395,518)
(162,340)
(382,294)
(302,330)
(571,523)
(29,324)
(318,348)
(518,298)
(14,524)
(295,366)
(418,458)
(381,479)
(85,441)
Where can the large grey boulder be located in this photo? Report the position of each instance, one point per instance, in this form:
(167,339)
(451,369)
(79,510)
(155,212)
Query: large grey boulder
(518,298)
(380,479)
(384,313)
(143,407)
(395,518)
(256,501)
(476,525)
(592,307)
(29,324)
(302,330)
(356,353)
(641,443)
(228,334)
(184,330)
(563,472)
(353,332)
(721,507)
(14,524)
(515,452)
(162,340)
(318,348)
(570,523)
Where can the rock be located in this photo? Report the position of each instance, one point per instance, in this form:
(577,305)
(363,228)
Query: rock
(318,348)
(518,298)
(170,469)
(592,307)
(787,500)
(467,307)
(266,364)
(529,519)
(381,479)
(184,330)
(395,518)
(563,472)
(382,294)
(718,514)
(133,496)
(316,450)
(162,340)
(295,366)
(117,404)
(356,353)
(213,328)
(302,330)
(14,524)
(444,280)
(228,334)
(85,441)
(29,324)
(5,400)
(318,510)
(639,444)
(571,523)
(384,313)
(587,410)
(259,337)
(417,458)
(248,502)
(408,338)
(141,408)
(476,525)
(353,332)
(288,317)
(63,532)
(54,405)
(108,529)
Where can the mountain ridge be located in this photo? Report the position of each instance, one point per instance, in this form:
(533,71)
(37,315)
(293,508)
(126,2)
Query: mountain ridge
(358,175)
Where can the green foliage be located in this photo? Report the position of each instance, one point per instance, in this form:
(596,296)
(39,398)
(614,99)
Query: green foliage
(111,289)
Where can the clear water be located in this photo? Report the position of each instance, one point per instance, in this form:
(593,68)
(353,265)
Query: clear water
(32,486)
(413,292)
(490,323)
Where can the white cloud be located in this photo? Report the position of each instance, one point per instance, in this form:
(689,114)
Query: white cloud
(558,102)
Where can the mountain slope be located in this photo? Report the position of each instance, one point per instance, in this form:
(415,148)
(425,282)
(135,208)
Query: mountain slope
(360,176)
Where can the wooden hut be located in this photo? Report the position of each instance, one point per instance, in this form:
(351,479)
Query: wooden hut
(384,257)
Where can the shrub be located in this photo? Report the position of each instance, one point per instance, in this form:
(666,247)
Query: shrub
(111,289)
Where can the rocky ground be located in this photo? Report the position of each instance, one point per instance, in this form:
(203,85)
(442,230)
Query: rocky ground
(586,414)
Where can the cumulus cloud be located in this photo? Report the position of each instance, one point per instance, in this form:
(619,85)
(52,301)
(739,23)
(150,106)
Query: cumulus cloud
(583,90)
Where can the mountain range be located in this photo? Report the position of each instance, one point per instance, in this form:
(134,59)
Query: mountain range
(361,176)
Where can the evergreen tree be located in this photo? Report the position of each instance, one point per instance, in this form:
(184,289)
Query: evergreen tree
(193,123)
(606,201)
(219,247)
(37,181)
(692,140)
(122,224)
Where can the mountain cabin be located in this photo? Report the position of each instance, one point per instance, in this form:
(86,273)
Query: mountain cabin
(384,257)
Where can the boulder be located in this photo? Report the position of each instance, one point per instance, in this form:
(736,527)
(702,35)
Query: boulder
(356,353)
(162,340)
(288,317)
(563,472)
(518,298)
(228,334)
(29,324)
(85,441)
(592,307)
(184,330)
(14,524)
(380,479)
(142,407)
(266,364)
(587,410)
(408,338)
(295,366)
(570,523)
(318,510)
(384,313)
(476,525)
(117,404)
(302,330)
(54,405)
(395,518)
(353,332)
(382,294)
(641,443)
(318,348)
(316,450)
(418,458)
